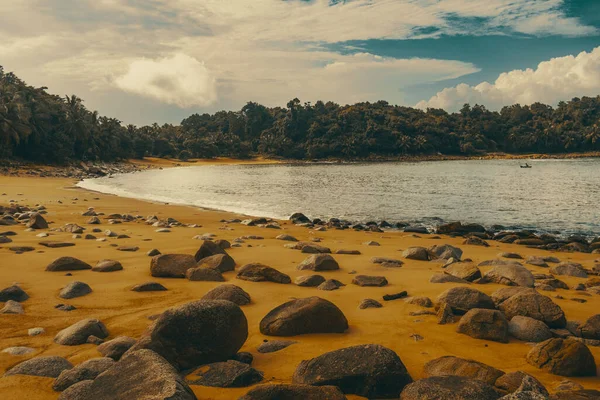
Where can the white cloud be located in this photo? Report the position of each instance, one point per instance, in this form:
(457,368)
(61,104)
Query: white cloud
(180,80)
(558,79)
(233,51)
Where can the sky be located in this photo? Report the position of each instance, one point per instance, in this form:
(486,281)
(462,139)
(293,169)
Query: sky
(145,61)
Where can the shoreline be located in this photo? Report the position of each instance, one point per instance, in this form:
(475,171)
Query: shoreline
(126,313)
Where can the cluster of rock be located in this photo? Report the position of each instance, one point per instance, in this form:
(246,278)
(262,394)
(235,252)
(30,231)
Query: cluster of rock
(80,170)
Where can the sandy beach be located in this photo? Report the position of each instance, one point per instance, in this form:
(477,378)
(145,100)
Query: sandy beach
(125,312)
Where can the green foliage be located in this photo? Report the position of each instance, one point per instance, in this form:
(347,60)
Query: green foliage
(42,127)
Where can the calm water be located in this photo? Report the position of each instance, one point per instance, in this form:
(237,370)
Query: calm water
(559,195)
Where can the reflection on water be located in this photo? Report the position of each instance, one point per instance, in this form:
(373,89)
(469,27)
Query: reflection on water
(557,195)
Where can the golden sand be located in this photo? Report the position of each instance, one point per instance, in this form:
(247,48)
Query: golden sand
(125,312)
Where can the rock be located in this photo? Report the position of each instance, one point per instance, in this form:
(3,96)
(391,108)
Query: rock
(555,283)
(590,329)
(4,240)
(257,272)
(450,365)
(287,238)
(94,221)
(171,265)
(421,301)
(79,332)
(501,295)
(476,241)
(416,253)
(528,329)
(226,375)
(301,316)
(271,346)
(370,370)
(365,280)
(153,252)
(149,287)
(564,357)
(519,381)
(395,296)
(36,221)
(309,280)
(445,278)
(140,375)
(445,314)
(449,388)
(369,303)
(577,395)
(516,256)
(65,307)
(330,284)
(196,333)
(88,370)
(567,385)
(537,261)
(128,248)
(294,392)
(36,331)
(14,293)
(569,269)
(207,249)
(55,244)
(387,262)
(18,351)
(445,252)
(319,262)
(463,299)
(46,366)
(116,347)
(221,262)
(75,289)
(348,252)
(311,248)
(244,357)
(67,264)
(21,249)
(511,275)
(12,307)
(228,292)
(463,270)
(484,324)
(204,274)
(108,266)
(535,306)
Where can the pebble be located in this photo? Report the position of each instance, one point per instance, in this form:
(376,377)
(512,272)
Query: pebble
(36,331)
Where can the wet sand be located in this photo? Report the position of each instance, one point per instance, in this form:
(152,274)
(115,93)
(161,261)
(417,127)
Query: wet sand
(126,313)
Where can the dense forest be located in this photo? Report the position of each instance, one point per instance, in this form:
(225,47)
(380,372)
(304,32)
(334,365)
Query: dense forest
(38,126)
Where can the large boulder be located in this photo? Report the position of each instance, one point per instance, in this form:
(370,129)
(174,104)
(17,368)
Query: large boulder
(79,332)
(450,365)
(171,265)
(518,381)
(294,392)
(75,289)
(116,347)
(142,374)
(462,299)
(46,366)
(319,262)
(196,333)
(89,369)
(221,262)
(371,371)
(536,306)
(207,249)
(36,221)
(484,324)
(569,269)
(300,316)
(256,272)
(14,293)
(501,295)
(449,388)
(228,292)
(528,329)
(416,253)
(463,270)
(67,264)
(227,374)
(564,357)
(445,252)
(591,328)
(510,275)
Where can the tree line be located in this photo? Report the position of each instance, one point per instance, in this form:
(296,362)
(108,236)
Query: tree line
(38,126)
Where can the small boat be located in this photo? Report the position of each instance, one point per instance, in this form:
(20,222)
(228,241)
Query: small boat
(525,166)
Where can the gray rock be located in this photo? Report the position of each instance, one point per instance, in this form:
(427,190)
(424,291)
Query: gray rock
(18,350)
(46,366)
(271,346)
(564,357)
(204,274)
(88,370)
(369,303)
(366,280)
(149,287)
(309,280)
(536,306)
(463,299)
(12,307)
(450,365)
(221,262)
(171,265)
(528,329)
(463,270)
(319,262)
(67,264)
(511,275)
(227,374)
(116,347)
(446,278)
(79,332)
(569,269)
(330,284)
(75,289)
(228,292)
(257,272)
(107,266)
(484,324)
(416,253)
(294,392)
(449,388)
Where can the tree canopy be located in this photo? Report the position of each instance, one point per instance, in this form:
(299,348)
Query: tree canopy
(38,126)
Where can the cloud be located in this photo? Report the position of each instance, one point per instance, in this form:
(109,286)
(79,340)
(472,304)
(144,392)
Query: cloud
(558,79)
(180,80)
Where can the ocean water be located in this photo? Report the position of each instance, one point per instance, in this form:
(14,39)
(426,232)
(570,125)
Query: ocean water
(554,195)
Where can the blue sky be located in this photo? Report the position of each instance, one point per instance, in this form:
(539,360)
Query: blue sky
(160,60)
